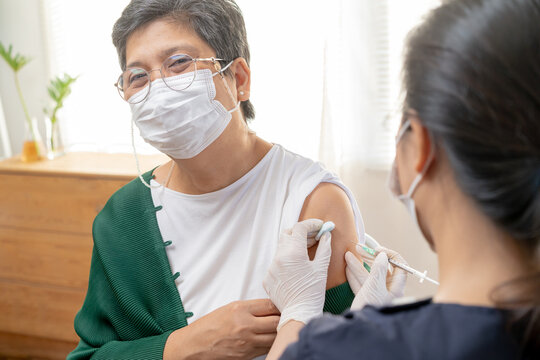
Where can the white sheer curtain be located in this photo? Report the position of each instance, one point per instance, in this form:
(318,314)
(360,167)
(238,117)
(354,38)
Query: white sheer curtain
(362,81)
(325,75)
(357,87)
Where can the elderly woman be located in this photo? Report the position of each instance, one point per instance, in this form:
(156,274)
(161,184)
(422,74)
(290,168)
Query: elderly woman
(180,253)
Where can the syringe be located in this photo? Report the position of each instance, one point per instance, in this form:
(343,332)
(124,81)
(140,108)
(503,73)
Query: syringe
(421,275)
(329,226)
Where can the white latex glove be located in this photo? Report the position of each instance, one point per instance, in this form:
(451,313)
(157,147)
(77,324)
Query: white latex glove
(378,287)
(295,284)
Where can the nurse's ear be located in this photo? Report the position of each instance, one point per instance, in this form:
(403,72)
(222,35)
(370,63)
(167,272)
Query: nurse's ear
(421,142)
(242,76)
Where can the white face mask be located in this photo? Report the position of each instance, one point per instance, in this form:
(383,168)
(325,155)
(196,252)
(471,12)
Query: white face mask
(183,123)
(393,181)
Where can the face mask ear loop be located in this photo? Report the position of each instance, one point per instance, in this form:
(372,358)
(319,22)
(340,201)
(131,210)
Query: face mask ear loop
(163,187)
(220,72)
(420,176)
(137,161)
(402,130)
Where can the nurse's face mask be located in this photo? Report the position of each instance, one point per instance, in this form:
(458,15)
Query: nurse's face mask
(394,184)
(177,113)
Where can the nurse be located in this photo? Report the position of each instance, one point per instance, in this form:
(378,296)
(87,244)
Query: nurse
(468,168)
(180,254)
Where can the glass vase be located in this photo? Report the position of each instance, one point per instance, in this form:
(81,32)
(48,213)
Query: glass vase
(33,149)
(55,145)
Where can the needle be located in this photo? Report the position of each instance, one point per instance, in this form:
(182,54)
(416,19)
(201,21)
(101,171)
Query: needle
(421,275)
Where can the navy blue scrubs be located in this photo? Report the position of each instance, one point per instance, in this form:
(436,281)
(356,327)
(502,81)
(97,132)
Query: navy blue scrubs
(422,330)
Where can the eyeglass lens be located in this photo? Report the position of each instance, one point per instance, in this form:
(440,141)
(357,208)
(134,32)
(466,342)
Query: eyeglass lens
(134,80)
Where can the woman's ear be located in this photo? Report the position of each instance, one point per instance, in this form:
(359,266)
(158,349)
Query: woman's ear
(422,144)
(242,75)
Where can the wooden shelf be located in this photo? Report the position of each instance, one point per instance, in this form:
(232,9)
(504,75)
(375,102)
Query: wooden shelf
(46,214)
(20,347)
(85,164)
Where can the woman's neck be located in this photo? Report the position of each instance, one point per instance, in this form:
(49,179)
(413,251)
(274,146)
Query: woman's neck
(475,256)
(222,163)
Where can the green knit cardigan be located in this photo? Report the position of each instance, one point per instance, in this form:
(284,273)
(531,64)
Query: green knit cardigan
(132,304)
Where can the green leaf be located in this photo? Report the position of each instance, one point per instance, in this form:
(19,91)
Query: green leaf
(59,89)
(15,61)
(52,94)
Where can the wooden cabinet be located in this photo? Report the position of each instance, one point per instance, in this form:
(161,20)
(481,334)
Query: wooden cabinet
(46,214)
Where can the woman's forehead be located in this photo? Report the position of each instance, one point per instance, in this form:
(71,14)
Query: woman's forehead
(162,38)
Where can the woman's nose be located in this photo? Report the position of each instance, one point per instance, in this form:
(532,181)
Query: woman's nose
(155,74)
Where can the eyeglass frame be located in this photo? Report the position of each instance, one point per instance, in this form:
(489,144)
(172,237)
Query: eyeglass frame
(212,59)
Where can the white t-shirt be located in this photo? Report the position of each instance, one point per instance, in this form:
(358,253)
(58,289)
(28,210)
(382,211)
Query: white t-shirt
(223,242)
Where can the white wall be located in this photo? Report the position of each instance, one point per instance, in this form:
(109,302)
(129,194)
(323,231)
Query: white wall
(21,25)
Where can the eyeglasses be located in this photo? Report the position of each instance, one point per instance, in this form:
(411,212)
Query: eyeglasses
(134,80)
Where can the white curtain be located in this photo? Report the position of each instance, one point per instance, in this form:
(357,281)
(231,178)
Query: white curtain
(362,81)
(356,94)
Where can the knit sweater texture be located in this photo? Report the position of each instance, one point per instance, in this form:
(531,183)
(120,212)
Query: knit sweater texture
(132,304)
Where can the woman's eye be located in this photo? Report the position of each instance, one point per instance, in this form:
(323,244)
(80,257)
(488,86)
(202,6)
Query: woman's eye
(137,80)
(179,62)
(179,65)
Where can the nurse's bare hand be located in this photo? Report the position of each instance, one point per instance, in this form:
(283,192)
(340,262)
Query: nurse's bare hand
(239,330)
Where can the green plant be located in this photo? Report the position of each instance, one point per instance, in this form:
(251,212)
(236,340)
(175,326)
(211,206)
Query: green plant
(16,62)
(59,89)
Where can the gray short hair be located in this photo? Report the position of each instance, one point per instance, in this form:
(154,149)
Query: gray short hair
(218,22)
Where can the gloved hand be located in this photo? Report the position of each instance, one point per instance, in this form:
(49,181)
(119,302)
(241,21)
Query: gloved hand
(295,284)
(378,287)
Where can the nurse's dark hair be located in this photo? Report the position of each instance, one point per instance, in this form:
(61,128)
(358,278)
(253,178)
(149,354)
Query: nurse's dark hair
(472,74)
(218,22)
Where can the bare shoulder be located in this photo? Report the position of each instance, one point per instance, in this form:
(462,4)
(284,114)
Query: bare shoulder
(329,202)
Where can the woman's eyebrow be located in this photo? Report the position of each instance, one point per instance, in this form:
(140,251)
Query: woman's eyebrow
(182,48)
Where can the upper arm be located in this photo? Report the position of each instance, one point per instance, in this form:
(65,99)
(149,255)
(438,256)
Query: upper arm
(329,202)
